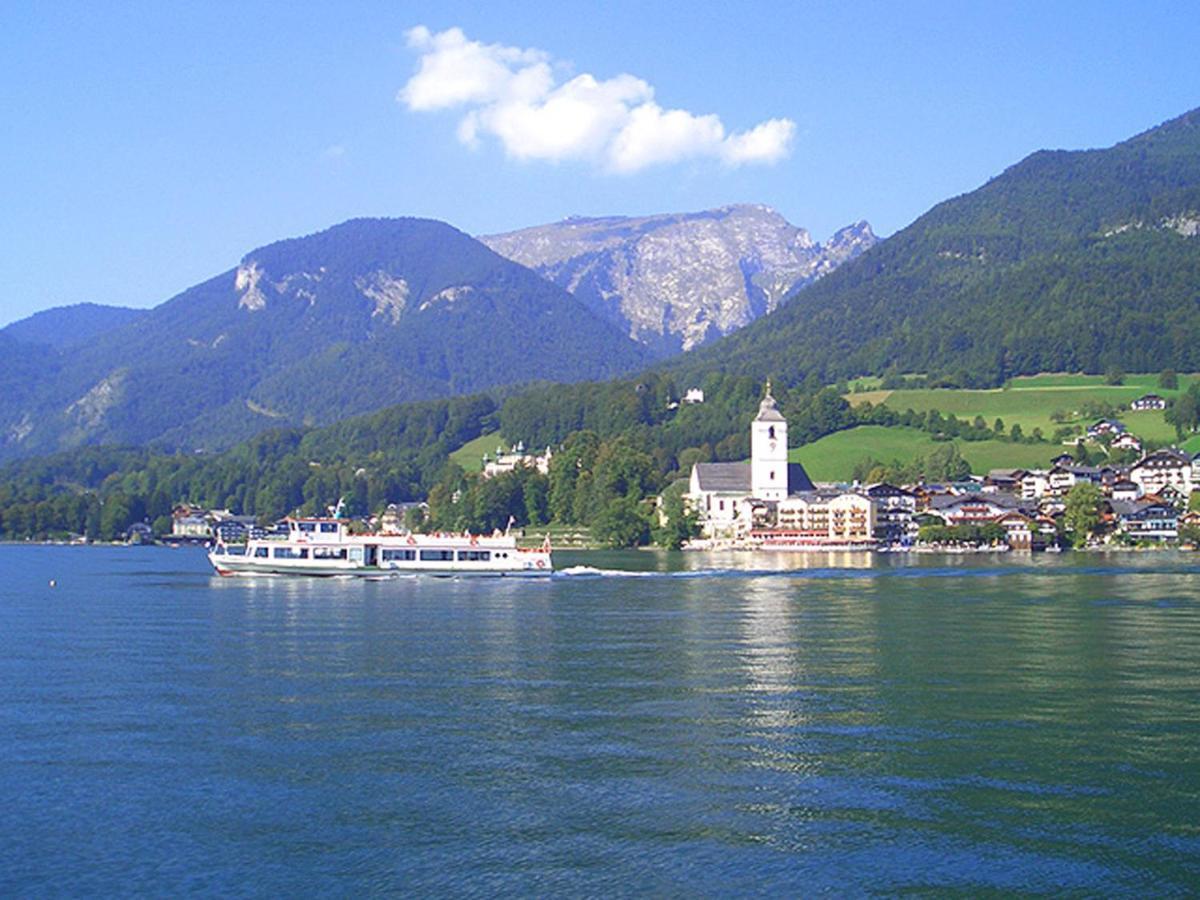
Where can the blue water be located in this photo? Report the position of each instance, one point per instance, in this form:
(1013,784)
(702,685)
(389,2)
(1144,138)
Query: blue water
(705,727)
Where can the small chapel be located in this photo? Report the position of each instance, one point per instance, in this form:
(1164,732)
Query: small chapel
(730,496)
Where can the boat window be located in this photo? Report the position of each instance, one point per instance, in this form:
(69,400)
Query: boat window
(291,553)
(329,553)
(309,527)
(236,551)
(475,555)
(260,552)
(219,550)
(393,555)
(329,528)
(437,555)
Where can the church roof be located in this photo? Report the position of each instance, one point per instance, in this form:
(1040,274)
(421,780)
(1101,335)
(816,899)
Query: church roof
(733,477)
(798,479)
(768,411)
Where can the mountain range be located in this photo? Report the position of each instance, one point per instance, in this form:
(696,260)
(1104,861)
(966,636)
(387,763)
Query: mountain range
(361,316)
(674,282)
(1067,261)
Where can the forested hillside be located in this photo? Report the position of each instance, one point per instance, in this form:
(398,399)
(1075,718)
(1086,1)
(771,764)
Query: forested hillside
(307,331)
(69,326)
(1068,261)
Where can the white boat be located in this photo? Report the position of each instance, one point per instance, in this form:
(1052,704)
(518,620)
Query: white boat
(326,547)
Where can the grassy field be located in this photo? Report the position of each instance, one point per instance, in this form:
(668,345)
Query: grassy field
(470,454)
(834,456)
(1031,401)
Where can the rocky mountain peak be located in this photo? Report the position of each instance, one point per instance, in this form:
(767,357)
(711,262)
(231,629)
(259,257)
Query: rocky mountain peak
(675,281)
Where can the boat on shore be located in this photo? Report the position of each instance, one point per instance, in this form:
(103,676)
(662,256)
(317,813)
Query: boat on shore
(325,547)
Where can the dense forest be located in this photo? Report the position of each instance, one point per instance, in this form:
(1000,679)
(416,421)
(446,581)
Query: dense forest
(1068,261)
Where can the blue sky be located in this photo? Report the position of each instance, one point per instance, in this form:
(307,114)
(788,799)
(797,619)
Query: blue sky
(149,146)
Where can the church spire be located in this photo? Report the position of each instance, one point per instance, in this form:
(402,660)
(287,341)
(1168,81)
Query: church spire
(767,410)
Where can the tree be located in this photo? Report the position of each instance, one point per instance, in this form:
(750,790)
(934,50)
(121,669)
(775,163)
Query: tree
(1168,380)
(1114,375)
(946,463)
(621,524)
(1082,513)
(677,522)
(1184,413)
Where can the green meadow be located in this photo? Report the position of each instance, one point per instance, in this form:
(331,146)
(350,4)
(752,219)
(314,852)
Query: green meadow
(470,455)
(833,457)
(1031,401)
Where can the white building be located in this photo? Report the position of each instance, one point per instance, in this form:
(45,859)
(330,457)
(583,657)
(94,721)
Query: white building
(725,494)
(506,461)
(1161,468)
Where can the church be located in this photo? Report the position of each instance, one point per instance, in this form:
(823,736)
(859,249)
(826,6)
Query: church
(726,495)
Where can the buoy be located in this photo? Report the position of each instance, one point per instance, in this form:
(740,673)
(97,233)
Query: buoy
(53,583)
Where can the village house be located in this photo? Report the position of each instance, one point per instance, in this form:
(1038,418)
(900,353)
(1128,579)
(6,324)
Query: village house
(1161,468)
(895,512)
(979,509)
(1006,480)
(1148,401)
(189,523)
(1125,490)
(507,461)
(1062,478)
(826,516)
(1147,521)
(1127,441)
(1035,484)
(1021,532)
(1109,427)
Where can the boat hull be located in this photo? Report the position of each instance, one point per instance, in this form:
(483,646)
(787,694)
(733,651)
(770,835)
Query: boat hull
(227,566)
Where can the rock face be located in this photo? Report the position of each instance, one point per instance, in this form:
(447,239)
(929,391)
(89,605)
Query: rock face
(676,281)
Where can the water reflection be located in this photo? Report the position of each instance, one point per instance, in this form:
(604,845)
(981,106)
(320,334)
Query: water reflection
(942,724)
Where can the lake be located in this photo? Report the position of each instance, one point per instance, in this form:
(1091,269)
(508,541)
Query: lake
(699,726)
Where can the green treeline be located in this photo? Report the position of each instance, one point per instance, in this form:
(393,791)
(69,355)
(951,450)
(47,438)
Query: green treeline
(394,455)
(616,446)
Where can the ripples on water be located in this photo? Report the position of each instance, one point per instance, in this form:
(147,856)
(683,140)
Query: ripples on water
(933,723)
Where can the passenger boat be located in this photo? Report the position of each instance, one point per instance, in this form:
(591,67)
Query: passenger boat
(320,546)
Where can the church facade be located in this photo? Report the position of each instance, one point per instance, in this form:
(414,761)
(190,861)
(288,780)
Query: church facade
(750,500)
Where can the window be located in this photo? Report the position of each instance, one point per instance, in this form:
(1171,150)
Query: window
(308,527)
(437,555)
(260,552)
(772,475)
(329,528)
(236,551)
(291,553)
(329,553)
(395,555)
(474,555)
(771,432)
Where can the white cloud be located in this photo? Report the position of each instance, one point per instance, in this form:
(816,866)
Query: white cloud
(511,94)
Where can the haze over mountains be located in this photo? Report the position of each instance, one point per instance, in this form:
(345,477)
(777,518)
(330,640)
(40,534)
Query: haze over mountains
(676,281)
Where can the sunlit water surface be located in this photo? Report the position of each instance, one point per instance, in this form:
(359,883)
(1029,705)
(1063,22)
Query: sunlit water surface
(705,727)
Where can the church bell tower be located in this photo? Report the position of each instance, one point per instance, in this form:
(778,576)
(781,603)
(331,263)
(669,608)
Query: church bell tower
(768,451)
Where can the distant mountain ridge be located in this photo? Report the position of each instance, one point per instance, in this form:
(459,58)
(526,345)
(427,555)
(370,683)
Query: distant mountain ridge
(1067,261)
(676,281)
(364,315)
(64,326)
